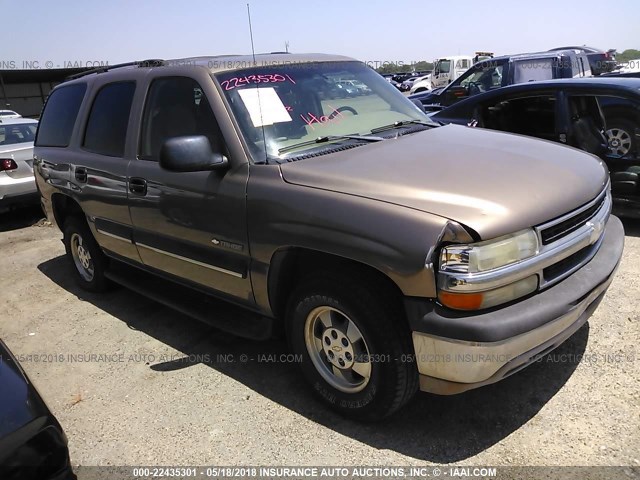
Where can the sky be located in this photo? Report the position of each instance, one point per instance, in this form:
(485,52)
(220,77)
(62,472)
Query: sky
(56,33)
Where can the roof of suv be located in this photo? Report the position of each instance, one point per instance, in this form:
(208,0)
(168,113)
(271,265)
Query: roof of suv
(584,48)
(527,56)
(222,63)
(238,62)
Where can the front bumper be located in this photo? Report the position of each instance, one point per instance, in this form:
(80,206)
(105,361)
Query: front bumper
(458,351)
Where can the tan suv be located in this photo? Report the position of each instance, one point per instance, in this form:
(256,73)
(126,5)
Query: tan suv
(398,253)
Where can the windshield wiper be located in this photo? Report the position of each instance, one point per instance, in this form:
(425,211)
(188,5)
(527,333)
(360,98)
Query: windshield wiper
(329,138)
(402,123)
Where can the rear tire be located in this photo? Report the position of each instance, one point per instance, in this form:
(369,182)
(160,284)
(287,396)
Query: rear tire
(620,137)
(354,343)
(85,256)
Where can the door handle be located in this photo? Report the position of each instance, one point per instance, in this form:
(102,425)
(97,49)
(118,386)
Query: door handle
(138,185)
(81,174)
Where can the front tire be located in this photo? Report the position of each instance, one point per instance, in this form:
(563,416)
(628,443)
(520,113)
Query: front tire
(354,343)
(85,256)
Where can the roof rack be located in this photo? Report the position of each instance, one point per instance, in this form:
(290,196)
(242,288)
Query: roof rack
(154,62)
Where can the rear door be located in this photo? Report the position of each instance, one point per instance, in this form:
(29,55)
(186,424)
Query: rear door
(99,166)
(188,225)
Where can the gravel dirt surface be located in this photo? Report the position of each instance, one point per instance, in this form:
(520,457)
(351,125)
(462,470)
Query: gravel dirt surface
(165,392)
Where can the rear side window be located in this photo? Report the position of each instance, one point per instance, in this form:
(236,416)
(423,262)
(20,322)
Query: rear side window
(533,70)
(59,116)
(106,129)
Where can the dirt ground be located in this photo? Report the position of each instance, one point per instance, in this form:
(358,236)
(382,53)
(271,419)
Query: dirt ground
(134,383)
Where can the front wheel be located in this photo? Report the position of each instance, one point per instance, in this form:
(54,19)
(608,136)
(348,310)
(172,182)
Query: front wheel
(354,344)
(85,256)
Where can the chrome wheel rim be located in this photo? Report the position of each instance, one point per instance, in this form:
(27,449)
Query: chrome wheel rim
(81,257)
(337,349)
(619,141)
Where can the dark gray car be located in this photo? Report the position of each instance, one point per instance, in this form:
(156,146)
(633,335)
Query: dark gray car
(599,115)
(398,254)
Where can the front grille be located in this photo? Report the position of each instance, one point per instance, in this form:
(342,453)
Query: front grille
(565,227)
(567,265)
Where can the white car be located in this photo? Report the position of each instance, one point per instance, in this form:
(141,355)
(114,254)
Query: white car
(17,183)
(7,114)
(421,84)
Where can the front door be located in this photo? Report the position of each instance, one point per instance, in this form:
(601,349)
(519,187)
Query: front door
(189,225)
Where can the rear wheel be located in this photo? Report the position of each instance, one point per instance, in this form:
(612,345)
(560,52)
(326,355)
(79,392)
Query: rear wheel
(354,344)
(85,256)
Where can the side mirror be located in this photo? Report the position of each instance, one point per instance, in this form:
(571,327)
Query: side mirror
(191,153)
(458,91)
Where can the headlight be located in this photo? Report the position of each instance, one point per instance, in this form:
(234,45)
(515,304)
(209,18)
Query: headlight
(483,256)
(460,261)
(489,298)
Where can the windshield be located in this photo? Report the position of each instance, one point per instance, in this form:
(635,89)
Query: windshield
(483,76)
(282,109)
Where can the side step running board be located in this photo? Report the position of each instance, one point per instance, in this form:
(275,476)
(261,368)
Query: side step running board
(206,308)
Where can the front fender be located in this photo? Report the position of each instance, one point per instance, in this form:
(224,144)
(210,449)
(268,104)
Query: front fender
(396,240)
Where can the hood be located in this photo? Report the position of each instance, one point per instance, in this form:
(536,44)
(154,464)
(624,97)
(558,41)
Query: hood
(495,183)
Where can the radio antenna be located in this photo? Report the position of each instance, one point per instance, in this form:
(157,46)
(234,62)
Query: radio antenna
(253,50)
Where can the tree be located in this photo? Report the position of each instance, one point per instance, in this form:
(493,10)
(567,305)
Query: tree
(403,67)
(629,54)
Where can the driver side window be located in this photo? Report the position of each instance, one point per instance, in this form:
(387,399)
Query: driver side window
(443,66)
(175,107)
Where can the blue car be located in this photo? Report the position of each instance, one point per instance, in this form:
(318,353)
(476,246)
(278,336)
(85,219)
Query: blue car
(33,445)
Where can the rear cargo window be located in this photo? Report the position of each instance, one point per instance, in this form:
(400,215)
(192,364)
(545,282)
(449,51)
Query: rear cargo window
(59,116)
(533,70)
(17,133)
(106,129)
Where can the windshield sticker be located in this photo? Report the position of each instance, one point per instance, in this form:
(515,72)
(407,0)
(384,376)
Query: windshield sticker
(264,106)
(319,120)
(236,82)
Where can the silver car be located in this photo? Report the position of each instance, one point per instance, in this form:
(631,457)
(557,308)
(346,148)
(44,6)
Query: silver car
(17,184)
(7,114)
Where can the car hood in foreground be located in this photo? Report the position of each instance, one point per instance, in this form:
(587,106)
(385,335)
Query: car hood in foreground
(495,183)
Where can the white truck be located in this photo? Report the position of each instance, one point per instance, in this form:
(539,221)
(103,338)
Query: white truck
(447,69)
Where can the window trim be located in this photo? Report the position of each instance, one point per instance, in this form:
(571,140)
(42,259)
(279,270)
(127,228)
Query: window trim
(77,116)
(83,137)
